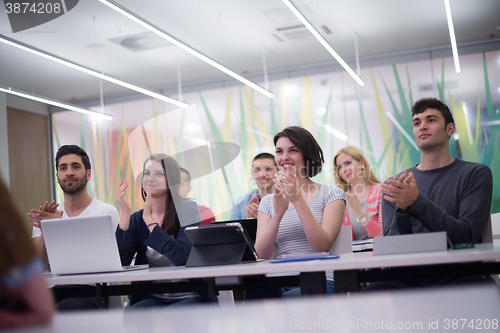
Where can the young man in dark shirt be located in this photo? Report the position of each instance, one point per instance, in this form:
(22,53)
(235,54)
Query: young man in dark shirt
(441,193)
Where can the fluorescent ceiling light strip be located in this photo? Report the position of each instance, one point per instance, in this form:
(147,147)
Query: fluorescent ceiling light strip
(452,35)
(401,129)
(59,60)
(55,103)
(323,42)
(122,10)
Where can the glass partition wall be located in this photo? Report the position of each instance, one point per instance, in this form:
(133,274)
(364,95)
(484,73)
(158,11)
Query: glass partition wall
(375,117)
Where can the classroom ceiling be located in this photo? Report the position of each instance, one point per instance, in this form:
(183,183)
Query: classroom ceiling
(234,33)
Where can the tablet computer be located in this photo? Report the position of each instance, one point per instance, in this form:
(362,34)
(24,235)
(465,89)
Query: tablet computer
(250,225)
(222,244)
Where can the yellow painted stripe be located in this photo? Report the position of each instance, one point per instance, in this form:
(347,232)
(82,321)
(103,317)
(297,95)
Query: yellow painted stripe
(306,105)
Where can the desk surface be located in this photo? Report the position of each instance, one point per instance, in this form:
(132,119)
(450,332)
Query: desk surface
(482,252)
(411,311)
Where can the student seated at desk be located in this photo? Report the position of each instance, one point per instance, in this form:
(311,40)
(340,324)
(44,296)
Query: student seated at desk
(353,174)
(73,171)
(156,233)
(300,216)
(263,170)
(24,296)
(207,216)
(441,193)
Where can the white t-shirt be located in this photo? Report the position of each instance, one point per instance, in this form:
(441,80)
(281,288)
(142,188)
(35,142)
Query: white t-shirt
(96,208)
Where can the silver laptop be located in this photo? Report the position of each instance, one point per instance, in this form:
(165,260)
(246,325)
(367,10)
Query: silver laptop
(83,245)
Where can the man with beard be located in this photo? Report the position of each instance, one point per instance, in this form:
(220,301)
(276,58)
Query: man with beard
(73,172)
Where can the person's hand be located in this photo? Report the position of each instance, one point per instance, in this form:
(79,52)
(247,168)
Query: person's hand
(37,215)
(120,198)
(147,213)
(353,202)
(280,202)
(252,207)
(403,191)
(49,207)
(289,185)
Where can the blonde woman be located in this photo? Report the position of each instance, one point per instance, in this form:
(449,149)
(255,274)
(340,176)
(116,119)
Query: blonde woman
(363,211)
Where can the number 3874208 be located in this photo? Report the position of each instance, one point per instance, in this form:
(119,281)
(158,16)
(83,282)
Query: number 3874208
(32,8)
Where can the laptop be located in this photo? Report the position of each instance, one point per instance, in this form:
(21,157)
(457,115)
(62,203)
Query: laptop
(83,245)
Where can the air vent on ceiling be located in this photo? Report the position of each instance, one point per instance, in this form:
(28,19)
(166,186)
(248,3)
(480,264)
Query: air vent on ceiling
(298,32)
(326,30)
(141,42)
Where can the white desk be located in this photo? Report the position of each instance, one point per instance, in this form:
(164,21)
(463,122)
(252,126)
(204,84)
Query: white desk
(227,276)
(357,313)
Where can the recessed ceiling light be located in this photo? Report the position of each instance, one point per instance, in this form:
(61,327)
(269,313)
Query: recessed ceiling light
(455,136)
(322,111)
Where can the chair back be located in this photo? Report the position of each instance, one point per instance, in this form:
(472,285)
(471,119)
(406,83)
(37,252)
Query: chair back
(343,243)
(495,225)
(487,236)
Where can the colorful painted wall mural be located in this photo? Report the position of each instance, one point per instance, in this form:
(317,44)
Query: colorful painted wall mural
(376,118)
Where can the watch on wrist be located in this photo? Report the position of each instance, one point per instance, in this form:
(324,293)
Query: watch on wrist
(363,219)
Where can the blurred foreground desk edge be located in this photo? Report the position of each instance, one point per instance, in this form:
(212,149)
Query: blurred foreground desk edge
(464,309)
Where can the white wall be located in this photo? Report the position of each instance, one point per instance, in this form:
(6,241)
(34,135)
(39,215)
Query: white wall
(16,103)
(24,104)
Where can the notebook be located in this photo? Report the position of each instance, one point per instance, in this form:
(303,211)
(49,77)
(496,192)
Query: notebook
(83,245)
(304,257)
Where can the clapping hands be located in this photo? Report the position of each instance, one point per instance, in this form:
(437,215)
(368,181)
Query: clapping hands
(252,207)
(46,212)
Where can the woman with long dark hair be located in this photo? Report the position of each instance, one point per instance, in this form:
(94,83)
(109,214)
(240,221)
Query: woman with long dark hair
(156,233)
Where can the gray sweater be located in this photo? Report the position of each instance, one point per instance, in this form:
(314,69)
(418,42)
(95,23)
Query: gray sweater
(455,199)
